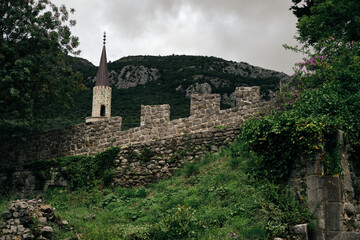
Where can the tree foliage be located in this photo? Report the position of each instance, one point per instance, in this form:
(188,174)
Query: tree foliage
(321,97)
(320,19)
(302,10)
(34,80)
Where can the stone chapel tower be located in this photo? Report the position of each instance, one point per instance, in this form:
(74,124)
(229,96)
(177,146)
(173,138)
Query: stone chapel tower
(101,106)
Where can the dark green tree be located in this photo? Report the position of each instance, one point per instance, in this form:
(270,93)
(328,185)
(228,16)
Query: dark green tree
(321,19)
(35,82)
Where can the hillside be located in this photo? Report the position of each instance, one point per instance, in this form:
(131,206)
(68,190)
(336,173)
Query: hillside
(137,80)
(215,197)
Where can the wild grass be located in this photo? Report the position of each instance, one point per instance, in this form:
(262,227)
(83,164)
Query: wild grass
(212,198)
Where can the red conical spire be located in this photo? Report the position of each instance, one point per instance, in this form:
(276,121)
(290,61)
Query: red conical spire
(102,74)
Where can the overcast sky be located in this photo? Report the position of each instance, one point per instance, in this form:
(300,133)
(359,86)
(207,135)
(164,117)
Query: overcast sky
(251,31)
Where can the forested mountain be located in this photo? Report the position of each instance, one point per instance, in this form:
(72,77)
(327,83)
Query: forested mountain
(137,80)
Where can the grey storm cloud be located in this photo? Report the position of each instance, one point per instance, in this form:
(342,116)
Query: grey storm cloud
(240,30)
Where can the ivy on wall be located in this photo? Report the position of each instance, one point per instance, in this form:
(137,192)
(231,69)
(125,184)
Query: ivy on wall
(320,98)
(284,140)
(80,171)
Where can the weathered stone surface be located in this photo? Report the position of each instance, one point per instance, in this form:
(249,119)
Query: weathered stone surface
(28,236)
(46,231)
(343,236)
(42,220)
(132,76)
(45,207)
(301,230)
(6,215)
(330,198)
(247,70)
(350,209)
(314,168)
(333,217)
(332,189)
(17,225)
(198,88)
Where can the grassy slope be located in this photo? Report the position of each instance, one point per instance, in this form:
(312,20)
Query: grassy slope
(222,198)
(206,200)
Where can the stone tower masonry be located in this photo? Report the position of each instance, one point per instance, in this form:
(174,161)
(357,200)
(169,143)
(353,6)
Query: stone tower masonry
(101,106)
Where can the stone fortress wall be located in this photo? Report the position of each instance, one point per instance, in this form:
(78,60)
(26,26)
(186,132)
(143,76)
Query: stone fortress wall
(150,152)
(93,137)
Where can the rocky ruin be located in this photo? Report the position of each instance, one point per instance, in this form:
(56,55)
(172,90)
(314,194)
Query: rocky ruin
(29,219)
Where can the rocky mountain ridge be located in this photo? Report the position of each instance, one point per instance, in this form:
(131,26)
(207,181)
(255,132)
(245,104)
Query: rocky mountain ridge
(134,75)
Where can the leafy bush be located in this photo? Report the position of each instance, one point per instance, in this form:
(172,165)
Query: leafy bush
(179,225)
(82,171)
(282,140)
(79,171)
(142,192)
(111,198)
(192,169)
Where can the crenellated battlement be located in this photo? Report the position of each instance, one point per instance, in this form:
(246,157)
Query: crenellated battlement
(155,125)
(247,95)
(204,105)
(154,115)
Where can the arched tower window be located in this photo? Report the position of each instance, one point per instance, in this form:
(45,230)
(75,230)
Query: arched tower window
(102,111)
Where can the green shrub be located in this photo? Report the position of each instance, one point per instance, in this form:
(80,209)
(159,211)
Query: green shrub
(193,201)
(110,198)
(191,169)
(281,210)
(234,162)
(254,232)
(142,192)
(79,171)
(282,140)
(179,225)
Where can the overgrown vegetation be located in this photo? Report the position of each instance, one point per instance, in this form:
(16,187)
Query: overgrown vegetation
(321,98)
(284,140)
(213,198)
(81,172)
(320,19)
(35,81)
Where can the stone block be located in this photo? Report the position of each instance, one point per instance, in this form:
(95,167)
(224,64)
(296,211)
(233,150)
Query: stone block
(6,215)
(314,195)
(47,231)
(332,189)
(317,235)
(331,235)
(314,168)
(301,230)
(314,182)
(348,236)
(349,209)
(321,224)
(333,217)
